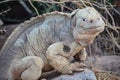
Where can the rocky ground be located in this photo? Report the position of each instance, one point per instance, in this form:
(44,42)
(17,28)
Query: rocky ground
(85,75)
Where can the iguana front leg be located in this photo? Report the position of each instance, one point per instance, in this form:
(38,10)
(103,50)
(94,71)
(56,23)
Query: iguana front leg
(58,59)
(81,56)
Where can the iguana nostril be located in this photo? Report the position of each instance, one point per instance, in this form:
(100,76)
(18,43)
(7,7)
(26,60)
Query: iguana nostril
(91,21)
(98,18)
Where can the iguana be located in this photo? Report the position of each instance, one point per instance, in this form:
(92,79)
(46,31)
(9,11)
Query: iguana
(47,42)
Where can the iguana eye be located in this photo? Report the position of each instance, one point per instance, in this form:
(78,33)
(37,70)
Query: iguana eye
(83,19)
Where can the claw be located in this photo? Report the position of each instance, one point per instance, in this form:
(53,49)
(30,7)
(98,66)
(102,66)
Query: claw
(67,72)
(82,65)
(79,69)
(43,79)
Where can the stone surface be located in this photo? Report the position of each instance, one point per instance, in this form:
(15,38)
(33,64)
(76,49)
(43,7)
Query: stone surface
(105,63)
(85,75)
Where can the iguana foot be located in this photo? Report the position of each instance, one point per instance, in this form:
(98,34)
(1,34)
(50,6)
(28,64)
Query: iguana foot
(28,68)
(80,64)
(43,79)
(74,67)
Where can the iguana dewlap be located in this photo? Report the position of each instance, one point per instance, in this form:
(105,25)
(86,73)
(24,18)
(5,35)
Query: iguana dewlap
(63,35)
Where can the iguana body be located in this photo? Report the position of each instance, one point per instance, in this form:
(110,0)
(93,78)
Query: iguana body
(24,54)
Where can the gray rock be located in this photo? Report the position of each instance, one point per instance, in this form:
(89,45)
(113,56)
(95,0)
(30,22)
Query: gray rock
(85,75)
(1,22)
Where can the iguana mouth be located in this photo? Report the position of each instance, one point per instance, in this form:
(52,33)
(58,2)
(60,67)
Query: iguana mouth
(94,28)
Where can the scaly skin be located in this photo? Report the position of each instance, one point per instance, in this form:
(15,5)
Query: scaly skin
(62,35)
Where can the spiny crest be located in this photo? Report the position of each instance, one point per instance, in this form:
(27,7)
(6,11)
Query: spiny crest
(23,26)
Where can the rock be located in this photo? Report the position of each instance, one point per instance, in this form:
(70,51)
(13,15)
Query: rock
(1,22)
(109,63)
(85,75)
(105,63)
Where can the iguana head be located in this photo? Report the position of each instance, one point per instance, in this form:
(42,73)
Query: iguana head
(87,24)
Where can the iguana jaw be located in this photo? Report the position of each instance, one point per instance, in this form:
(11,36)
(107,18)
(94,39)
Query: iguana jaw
(87,36)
